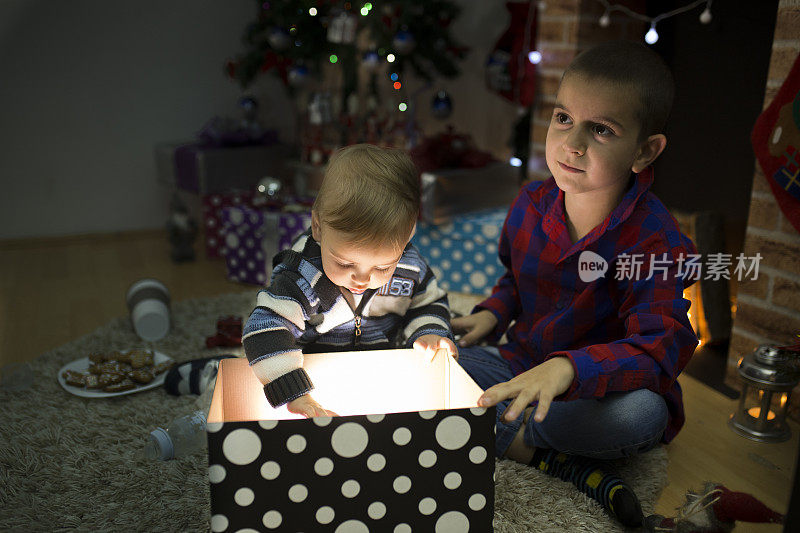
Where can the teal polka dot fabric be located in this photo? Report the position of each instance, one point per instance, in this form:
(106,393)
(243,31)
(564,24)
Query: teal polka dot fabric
(463,252)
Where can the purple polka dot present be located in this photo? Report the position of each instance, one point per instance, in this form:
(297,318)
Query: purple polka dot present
(423,464)
(251,237)
(213,204)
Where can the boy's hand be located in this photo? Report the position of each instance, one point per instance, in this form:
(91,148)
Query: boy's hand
(474,327)
(543,383)
(431,344)
(308,407)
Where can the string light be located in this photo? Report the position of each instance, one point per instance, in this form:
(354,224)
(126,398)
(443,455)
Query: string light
(402,106)
(651,36)
(312,11)
(535,57)
(390,58)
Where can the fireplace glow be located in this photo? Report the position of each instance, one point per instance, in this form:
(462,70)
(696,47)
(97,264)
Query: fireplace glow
(696,314)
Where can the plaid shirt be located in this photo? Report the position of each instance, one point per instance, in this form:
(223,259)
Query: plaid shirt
(620,334)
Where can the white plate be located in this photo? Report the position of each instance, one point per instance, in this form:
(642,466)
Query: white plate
(82,365)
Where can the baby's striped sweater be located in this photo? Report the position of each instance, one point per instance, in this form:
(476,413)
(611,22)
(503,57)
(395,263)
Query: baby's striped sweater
(302,311)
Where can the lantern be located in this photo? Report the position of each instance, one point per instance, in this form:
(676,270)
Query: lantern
(771,373)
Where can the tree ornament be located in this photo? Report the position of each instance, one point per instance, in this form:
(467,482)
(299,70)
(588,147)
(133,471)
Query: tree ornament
(342,28)
(298,76)
(371,61)
(403,42)
(442,105)
(249,107)
(605,20)
(279,39)
(705,16)
(230,68)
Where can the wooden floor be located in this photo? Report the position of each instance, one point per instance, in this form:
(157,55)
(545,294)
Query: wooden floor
(54,290)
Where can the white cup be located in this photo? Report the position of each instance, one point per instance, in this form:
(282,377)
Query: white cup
(148,303)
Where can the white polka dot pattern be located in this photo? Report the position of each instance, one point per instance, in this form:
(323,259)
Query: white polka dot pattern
(401,472)
(463,253)
(250,237)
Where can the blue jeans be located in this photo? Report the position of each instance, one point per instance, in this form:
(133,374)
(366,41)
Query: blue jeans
(620,424)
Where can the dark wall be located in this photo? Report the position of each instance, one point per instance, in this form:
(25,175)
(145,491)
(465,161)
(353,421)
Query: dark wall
(720,74)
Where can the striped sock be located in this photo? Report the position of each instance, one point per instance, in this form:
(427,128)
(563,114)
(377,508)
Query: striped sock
(588,476)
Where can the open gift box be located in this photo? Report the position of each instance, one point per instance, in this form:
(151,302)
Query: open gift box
(411,450)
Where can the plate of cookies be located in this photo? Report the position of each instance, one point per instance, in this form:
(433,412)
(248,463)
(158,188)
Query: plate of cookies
(113,373)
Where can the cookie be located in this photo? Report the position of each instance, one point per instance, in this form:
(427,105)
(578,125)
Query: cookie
(76,379)
(104,380)
(140,359)
(92,382)
(141,375)
(162,367)
(123,385)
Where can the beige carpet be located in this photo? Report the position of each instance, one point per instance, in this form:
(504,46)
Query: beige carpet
(70,463)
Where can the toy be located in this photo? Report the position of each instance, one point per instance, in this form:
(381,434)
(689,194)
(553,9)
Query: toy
(715,509)
(229,332)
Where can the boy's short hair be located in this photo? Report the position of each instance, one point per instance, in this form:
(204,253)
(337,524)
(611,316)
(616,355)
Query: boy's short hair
(635,65)
(371,193)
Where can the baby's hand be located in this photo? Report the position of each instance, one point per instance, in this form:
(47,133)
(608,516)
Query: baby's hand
(308,407)
(431,344)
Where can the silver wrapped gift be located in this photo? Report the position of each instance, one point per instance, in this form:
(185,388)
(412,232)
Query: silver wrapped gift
(449,192)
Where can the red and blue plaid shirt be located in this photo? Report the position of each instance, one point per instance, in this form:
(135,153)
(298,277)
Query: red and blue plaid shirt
(622,332)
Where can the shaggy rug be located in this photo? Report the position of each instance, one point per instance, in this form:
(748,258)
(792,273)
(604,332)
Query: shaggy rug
(73,463)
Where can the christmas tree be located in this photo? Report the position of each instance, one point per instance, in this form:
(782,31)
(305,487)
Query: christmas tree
(293,39)
(353,48)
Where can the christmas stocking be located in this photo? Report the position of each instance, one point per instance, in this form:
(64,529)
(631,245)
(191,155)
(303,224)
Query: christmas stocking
(508,70)
(776,143)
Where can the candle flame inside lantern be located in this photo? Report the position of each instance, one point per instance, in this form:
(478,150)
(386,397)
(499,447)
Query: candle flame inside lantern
(755,412)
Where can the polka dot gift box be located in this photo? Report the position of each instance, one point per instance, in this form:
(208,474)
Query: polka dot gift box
(463,252)
(251,237)
(213,204)
(411,450)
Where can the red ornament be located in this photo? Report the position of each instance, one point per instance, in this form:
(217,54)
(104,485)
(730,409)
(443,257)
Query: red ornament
(230,68)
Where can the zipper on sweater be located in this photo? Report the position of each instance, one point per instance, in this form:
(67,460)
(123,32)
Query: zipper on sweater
(357,314)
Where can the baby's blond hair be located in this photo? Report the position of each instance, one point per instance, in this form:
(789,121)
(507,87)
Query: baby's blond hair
(371,193)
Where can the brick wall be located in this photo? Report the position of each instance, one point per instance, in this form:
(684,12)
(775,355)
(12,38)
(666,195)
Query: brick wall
(768,308)
(567,27)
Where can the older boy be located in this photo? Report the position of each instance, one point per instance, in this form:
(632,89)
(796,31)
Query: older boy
(351,282)
(607,350)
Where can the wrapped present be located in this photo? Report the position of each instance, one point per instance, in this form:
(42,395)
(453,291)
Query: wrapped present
(449,192)
(463,252)
(213,204)
(206,168)
(253,236)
